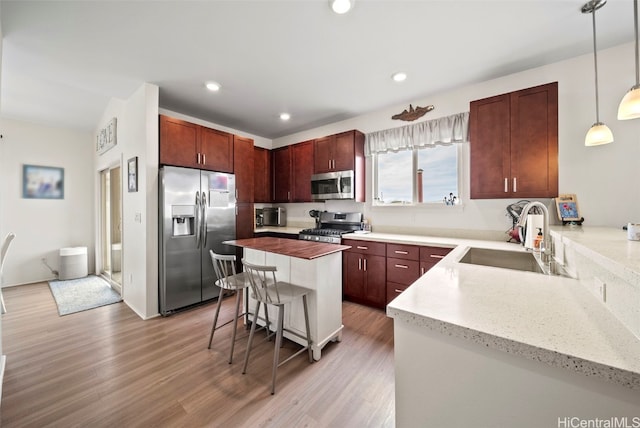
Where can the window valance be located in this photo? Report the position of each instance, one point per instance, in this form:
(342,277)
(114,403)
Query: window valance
(442,131)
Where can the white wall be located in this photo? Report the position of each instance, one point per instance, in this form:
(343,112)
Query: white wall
(43,226)
(137,135)
(603,177)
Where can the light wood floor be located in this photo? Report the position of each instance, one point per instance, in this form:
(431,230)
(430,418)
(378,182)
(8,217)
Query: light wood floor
(107,367)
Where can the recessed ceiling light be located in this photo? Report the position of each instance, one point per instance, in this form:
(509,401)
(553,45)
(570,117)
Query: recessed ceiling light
(399,76)
(285,116)
(341,6)
(213,86)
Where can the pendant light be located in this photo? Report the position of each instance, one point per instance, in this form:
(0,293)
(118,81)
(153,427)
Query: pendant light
(630,105)
(599,133)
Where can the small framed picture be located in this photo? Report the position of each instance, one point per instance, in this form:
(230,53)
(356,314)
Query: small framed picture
(132,171)
(567,206)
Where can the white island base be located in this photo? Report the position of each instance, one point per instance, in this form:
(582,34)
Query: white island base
(444,381)
(323,276)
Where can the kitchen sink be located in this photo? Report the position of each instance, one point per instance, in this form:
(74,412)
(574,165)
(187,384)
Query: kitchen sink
(516,260)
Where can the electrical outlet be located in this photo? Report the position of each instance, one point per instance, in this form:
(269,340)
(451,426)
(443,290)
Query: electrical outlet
(602,289)
(138,218)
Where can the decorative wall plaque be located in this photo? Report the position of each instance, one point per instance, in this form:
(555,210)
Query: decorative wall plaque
(107,137)
(413,113)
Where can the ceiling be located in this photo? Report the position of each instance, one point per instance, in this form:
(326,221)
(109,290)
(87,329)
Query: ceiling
(63,60)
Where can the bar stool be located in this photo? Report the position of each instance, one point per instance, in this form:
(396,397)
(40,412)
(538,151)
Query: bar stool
(266,290)
(228,280)
(3,256)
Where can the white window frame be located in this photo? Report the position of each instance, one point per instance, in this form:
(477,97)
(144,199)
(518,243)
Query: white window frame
(375,202)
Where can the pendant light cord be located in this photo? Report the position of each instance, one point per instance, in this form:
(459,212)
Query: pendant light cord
(595,62)
(635,22)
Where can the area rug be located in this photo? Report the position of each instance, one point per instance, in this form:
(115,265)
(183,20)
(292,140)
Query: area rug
(76,295)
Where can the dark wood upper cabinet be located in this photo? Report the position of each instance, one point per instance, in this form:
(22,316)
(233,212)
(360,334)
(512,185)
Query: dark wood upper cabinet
(301,171)
(281,164)
(338,152)
(243,166)
(514,144)
(262,181)
(179,142)
(190,145)
(216,150)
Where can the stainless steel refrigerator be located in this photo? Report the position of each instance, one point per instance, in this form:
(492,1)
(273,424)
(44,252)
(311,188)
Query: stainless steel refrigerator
(197,213)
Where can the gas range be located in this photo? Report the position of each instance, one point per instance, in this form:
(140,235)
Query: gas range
(331,227)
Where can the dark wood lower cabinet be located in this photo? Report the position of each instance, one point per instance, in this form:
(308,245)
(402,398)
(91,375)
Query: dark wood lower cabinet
(364,273)
(375,273)
(365,279)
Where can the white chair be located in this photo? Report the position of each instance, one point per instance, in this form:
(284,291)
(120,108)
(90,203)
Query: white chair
(266,290)
(3,255)
(229,281)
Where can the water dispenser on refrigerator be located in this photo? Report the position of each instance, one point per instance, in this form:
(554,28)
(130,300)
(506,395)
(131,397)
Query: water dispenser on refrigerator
(183,220)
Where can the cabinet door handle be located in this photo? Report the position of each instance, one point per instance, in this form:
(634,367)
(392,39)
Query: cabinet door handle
(506,185)
(436,256)
(329,164)
(402,266)
(334,164)
(422,271)
(236,193)
(198,158)
(359,247)
(515,185)
(204,159)
(359,264)
(288,196)
(365,265)
(401,252)
(398,290)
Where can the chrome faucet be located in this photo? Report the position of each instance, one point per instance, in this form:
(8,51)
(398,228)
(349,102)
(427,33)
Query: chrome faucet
(546,250)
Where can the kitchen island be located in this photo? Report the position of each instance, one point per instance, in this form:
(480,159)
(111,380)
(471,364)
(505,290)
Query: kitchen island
(485,346)
(312,265)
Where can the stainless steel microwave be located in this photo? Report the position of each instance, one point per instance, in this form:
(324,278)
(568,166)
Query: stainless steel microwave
(332,185)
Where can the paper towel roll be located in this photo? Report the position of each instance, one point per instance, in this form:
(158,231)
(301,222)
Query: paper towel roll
(534,221)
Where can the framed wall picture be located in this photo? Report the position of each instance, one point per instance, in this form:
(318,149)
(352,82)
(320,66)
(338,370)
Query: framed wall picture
(567,207)
(42,182)
(132,173)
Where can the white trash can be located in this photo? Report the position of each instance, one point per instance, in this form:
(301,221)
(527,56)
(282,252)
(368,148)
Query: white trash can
(73,263)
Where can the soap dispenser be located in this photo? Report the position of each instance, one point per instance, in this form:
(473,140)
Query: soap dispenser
(538,241)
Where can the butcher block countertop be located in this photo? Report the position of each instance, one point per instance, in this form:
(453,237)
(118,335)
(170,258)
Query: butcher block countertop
(289,247)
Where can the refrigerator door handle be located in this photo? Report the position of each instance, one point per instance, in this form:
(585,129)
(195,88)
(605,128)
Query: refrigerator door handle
(197,225)
(204,219)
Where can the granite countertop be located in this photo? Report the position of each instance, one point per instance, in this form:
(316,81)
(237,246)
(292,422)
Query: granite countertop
(289,247)
(609,247)
(550,319)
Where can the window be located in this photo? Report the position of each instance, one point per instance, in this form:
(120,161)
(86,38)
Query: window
(418,163)
(423,175)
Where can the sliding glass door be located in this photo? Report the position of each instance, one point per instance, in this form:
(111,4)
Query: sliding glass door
(111,226)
